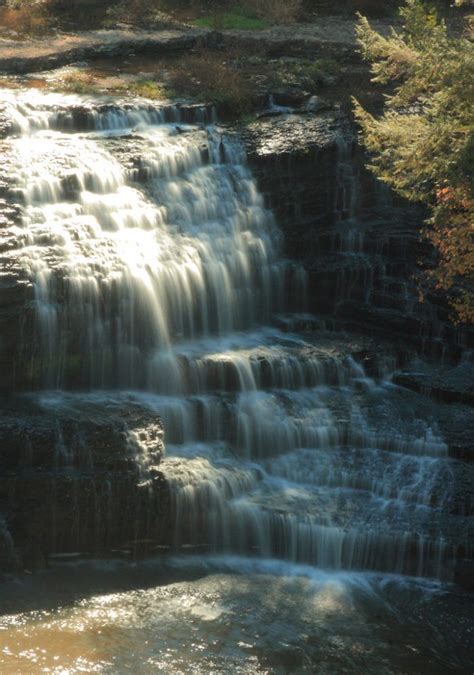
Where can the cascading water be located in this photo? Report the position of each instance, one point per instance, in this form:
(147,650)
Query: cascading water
(298,489)
(156,268)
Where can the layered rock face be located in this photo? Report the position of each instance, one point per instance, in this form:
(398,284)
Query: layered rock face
(360,244)
(79,475)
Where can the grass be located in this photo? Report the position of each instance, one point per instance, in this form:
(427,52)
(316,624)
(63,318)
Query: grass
(236,19)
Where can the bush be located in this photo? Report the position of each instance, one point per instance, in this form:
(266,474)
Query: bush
(423,144)
(79,83)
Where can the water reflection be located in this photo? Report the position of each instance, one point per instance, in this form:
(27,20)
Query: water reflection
(238,615)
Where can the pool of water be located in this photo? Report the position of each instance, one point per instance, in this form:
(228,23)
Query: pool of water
(230,615)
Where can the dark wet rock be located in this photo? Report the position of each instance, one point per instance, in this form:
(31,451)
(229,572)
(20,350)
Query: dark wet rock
(292,96)
(443,382)
(272,112)
(315,104)
(294,159)
(79,476)
(453,421)
(464,574)
(292,136)
(359,242)
(16,319)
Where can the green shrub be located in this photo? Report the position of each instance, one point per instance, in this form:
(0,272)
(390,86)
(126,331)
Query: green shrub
(423,144)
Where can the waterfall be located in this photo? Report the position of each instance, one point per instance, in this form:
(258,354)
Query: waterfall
(158,276)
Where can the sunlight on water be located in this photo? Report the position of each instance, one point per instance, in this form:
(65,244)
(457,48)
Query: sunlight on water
(259,616)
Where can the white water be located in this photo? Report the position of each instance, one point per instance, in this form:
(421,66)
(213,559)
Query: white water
(158,274)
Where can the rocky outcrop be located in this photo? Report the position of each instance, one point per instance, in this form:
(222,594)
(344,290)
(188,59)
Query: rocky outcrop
(452,384)
(360,243)
(294,158)
(328,35)
(32,56)
(79,475)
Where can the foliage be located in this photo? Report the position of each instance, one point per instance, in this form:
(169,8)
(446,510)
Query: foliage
(147,89)
(423,144)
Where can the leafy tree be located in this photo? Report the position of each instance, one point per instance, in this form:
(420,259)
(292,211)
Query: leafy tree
(423,144)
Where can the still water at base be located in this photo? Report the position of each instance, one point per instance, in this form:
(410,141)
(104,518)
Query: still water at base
(231,615)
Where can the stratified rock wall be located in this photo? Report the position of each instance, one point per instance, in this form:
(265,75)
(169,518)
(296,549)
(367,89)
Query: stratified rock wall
(360,244)
(80,476)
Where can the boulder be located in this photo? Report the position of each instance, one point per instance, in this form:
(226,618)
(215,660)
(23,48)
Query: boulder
(79,475)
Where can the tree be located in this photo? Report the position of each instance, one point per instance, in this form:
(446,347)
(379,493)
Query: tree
(423,143)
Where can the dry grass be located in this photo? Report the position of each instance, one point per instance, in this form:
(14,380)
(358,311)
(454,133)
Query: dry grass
(25,19)
(206,76)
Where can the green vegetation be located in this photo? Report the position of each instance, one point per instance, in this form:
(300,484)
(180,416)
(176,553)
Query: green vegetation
(236,19)
(146,88)
(423,144)
(251,14)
